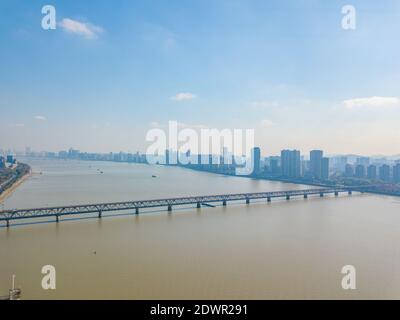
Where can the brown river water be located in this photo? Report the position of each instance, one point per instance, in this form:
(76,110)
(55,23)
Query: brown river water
(281,250)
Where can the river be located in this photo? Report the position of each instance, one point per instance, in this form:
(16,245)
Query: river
(281,250)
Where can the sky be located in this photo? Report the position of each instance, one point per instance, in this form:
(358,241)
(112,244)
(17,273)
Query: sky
(112,70)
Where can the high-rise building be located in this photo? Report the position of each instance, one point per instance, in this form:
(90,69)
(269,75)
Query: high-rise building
(371,172)
(316,163)
(226,156)
(325,168)
(274,165)
(364,161)
(255,160)
(396,173)
(360,171)
(384,173)
(2,162)
(290,163)
(167,156)
(339,163)
(349,170)
(10,158)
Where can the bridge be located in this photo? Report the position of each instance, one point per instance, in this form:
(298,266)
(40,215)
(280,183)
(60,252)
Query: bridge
(99,208)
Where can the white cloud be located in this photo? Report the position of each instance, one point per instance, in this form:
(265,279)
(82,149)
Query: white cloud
(265,104)
(155,124)
(41,118)
(375,102)
(183,96)
(87,30)
(267,123)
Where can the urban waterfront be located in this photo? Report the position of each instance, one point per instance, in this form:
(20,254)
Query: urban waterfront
(284,249)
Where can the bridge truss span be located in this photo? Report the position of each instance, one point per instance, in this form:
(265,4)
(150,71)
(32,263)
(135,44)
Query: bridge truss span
(100,208)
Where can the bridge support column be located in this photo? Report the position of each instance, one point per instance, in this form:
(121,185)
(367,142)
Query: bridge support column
(350,192)
(268,199)
(169,208)
(305,196)
(57,218)
(336,193)
(224,203)
(198,205)
(99,214)
(321,194)
(247,201)
(137,211)
(7,223)
(287,197)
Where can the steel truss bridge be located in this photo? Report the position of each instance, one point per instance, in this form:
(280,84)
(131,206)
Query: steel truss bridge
(98,208)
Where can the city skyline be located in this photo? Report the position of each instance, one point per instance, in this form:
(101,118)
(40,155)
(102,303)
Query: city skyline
(299,79)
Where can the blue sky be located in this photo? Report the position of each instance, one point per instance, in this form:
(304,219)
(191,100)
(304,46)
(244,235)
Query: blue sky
(111,70)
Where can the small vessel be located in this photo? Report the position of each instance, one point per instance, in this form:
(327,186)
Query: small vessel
(14,293)
(154,176)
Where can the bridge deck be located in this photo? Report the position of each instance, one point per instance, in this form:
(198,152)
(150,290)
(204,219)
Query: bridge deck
(7,215)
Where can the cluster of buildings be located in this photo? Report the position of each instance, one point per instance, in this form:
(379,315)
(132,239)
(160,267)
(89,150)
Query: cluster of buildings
(73,154)
(289,165)
(292,165)
(383,172)
(7,160)
(317,167)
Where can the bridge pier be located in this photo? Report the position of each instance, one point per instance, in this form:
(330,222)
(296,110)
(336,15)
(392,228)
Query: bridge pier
(247,200)
(268,199)
(57,218)
(321,194)
(350,192)
(287,197)
(100,214)
(198,205)
(336,193)
(169,208)
(7,223)
(305,196)
(224,203)
(136,210)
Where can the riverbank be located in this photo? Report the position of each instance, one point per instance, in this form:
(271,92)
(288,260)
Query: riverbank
(23,172)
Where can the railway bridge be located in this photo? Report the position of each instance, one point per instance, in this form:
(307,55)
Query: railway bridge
(135,206)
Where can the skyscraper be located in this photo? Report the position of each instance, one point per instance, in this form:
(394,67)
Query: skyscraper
(371,172)
(10,158)
(364,161)
(274,165)
(167,157)
(384,173)
(255,160)
(290,163)
(349,170)
(360,171)
(316,163)
(325,168)
(396,173)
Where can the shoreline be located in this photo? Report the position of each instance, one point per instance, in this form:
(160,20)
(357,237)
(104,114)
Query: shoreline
(9,191)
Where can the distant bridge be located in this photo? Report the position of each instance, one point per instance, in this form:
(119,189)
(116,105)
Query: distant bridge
(99,208)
